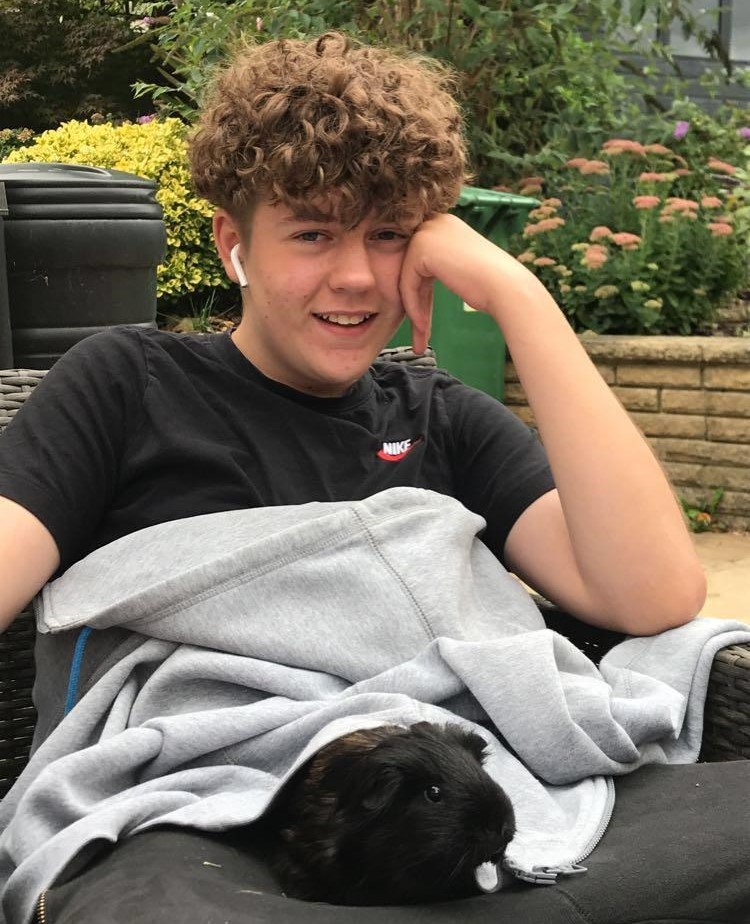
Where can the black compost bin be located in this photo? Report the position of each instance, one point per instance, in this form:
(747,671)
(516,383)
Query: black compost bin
(82,245)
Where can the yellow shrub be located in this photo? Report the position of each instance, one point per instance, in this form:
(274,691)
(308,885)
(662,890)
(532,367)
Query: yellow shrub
(155,150)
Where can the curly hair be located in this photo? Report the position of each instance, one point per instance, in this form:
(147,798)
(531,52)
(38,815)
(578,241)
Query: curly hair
(292,121)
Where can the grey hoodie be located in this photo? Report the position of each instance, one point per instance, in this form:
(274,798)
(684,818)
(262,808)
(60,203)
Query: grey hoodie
(260,635)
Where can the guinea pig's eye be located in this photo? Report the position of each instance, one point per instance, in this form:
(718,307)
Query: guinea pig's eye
(433,794)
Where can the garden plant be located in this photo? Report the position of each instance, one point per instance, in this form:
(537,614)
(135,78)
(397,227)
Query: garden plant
(536,80)
(542,85)
(639,239)
(64,59)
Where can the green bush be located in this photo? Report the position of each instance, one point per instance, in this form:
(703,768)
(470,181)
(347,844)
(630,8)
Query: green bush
(639,240)
(156,150)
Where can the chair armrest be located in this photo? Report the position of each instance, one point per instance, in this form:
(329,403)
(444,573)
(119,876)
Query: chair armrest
(16,386)
(17,712)
(726,717)
(726,732)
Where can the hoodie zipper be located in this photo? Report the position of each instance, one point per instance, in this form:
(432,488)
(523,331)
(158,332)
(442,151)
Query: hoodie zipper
(41,908)
(603,824)
(547,875)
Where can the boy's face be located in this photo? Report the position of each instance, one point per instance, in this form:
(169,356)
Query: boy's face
(321,301)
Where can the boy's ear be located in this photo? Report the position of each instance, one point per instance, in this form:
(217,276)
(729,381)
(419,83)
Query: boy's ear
(227,237)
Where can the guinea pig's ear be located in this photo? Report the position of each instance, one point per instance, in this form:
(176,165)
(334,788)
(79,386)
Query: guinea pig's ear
(359,781)
(470,740)
(378,795)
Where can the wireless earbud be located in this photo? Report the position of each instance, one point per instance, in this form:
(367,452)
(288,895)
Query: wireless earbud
(234,257)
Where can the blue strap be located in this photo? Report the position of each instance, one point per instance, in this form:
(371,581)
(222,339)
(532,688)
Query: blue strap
(75,668)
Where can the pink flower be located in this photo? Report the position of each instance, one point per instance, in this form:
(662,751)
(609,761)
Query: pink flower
(681,205)
(680,130)
(711,202)
(686,208)
(720,228)
(595,256)
(623,145)
(528,256)
(594,167)
(144,120)
(626,240)
(599,233)
(553,203)
(544,261)
(646,202)
(576,162)
(546,224)
(655,177)
(657,149)
(544,211)
(744,132)
(721,166)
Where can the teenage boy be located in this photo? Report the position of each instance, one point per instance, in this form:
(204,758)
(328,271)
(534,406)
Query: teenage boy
(332,168)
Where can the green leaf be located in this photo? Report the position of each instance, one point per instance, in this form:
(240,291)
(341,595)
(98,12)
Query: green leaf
(472,9)
(637,11)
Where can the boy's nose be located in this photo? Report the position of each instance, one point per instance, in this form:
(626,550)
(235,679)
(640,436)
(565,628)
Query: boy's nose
(352,269)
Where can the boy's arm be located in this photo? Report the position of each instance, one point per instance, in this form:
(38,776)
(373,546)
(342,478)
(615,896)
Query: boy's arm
(610,544)
(28,558)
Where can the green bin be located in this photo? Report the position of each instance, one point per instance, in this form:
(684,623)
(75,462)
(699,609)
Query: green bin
(468,343)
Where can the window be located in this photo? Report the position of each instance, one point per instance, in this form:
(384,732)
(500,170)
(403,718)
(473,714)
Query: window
(729,18)
(739,42)
(706,13)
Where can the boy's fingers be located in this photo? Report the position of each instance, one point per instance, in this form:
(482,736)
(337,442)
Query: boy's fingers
(421,323)
(416,297)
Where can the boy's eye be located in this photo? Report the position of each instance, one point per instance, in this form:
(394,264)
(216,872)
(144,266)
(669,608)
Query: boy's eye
(391,234)
(386,234)
(311,237)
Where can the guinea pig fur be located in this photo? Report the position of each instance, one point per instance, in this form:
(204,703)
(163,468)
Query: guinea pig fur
(389,815)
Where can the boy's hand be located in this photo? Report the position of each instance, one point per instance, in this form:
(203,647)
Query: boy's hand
(476,270)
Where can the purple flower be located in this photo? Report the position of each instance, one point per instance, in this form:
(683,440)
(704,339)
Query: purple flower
(143,120)
(680,130)
(744,132)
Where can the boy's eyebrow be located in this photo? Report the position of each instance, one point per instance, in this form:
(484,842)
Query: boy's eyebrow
(322,218)
(308,216)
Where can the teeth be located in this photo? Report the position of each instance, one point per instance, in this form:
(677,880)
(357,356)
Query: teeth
(345,319)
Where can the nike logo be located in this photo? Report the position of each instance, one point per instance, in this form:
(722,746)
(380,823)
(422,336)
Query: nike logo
(395,451)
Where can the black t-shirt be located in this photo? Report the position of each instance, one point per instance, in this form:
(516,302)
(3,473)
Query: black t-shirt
(135,427)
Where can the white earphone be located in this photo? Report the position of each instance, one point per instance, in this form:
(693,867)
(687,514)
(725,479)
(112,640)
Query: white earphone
(234,257)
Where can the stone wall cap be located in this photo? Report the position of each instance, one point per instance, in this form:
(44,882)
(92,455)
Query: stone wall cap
(667,349)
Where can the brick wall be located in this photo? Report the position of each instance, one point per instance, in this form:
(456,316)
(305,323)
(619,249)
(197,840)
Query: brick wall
(690,396)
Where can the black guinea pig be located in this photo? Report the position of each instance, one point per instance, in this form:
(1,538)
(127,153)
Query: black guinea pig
(389,815)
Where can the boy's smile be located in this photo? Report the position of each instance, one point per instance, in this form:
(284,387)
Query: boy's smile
(322,301)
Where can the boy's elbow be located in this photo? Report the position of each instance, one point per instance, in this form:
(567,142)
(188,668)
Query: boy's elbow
(675,604)
(690,596)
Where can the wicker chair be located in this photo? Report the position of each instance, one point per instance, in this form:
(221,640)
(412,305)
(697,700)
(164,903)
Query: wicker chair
(727,713)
